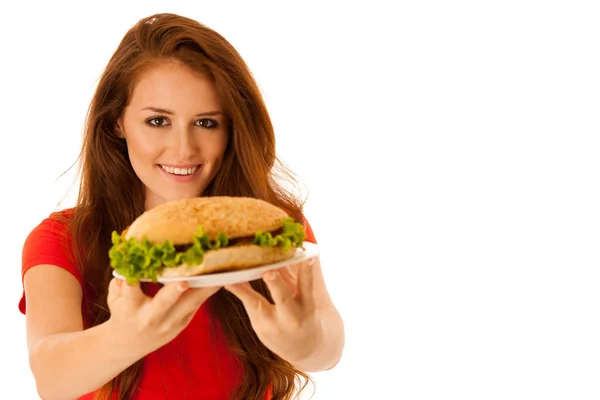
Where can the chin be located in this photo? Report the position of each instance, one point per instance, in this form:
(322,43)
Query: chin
(154,198)
(182,195)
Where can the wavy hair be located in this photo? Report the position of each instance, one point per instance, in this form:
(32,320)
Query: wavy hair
(111,196)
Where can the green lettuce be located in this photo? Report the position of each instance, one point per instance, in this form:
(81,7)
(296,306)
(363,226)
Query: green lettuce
(292,234)
(137,260)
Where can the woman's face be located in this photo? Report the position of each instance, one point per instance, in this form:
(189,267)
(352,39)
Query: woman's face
(176,132)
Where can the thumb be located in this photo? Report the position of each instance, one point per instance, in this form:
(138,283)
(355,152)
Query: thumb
(132,292)
(114,290)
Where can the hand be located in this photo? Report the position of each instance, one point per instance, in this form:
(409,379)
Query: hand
(290,327)
(148,323)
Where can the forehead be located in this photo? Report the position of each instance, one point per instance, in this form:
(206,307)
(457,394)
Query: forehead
(175,86)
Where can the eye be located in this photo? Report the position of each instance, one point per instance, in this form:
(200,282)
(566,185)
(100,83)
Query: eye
(207,123)
(157,121)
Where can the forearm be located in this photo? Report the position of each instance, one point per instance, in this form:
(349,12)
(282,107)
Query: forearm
(69,365)
(329,347)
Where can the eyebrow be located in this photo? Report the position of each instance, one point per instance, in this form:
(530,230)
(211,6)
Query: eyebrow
(169,112)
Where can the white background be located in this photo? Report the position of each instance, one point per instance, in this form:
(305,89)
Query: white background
(451,156)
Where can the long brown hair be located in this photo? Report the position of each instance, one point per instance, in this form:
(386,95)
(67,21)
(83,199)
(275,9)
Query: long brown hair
(111,196)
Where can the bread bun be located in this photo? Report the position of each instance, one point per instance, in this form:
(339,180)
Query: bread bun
(243,220)
(178,220)
(230,258)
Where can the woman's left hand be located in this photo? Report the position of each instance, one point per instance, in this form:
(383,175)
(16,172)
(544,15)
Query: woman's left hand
(290,328)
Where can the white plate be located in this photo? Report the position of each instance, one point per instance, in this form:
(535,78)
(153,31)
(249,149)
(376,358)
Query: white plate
(309,250)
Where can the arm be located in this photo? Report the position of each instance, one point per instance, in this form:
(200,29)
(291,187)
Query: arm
(67,361)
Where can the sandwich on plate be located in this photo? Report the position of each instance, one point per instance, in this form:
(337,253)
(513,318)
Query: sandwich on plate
(204,235)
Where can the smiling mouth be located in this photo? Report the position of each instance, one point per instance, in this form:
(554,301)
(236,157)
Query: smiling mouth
(180,171)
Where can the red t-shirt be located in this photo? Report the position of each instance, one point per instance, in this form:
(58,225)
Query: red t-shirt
(197,364)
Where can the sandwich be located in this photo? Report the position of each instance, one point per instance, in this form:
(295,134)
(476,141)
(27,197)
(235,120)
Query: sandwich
(204,235)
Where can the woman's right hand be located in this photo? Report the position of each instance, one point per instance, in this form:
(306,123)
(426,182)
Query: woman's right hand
(147,323)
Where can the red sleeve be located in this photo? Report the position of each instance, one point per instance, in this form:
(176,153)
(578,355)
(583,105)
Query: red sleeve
(310,236)
(49,243)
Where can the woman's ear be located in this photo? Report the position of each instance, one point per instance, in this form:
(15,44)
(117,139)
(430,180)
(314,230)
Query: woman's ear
(119,130)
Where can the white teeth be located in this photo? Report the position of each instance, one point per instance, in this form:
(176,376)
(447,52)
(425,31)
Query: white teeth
(179,171)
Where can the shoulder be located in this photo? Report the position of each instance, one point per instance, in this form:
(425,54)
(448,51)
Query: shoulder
(59,218)
(55,224)
(50,241)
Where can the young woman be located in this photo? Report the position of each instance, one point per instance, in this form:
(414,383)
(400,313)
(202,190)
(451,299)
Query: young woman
(176,114)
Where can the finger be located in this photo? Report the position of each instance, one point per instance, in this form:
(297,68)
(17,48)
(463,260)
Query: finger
(114,290)
(280,291)
(289,278)
(306,279)
(132,292)
(189,303)
(253,301)
(191,300)
(167,296)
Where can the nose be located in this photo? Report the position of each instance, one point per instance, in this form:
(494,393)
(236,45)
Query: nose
(183,144)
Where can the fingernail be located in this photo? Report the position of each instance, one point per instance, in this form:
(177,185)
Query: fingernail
(182,287)
(311,261)
(270,276)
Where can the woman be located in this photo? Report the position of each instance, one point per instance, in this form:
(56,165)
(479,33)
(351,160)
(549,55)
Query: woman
(176,114)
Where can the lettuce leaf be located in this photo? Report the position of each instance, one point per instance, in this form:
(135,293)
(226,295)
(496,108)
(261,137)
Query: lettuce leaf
(293,233)
(137,260)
